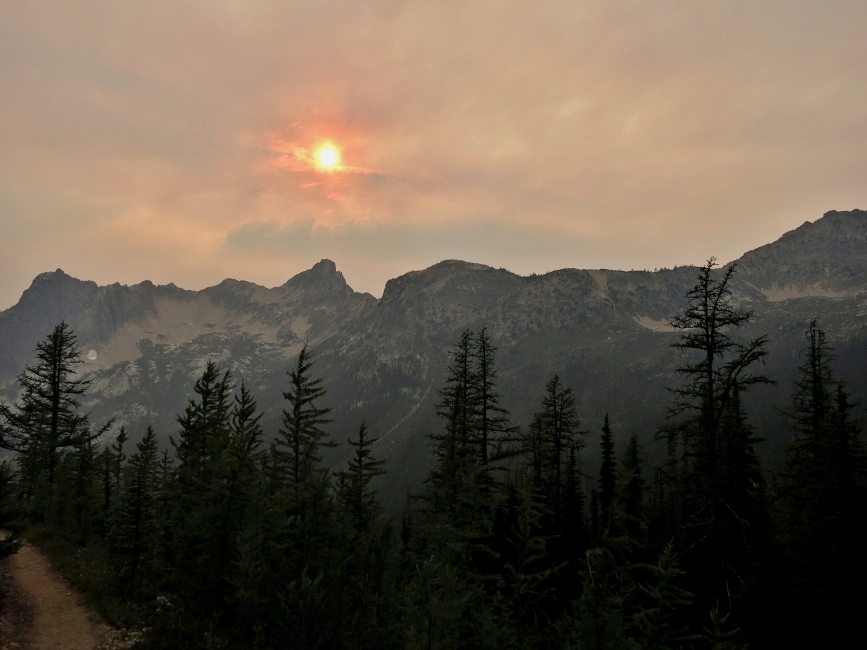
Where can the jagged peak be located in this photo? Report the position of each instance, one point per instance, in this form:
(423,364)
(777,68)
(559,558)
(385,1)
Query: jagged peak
(323,274)
(324,266)
(48,276)
(58,278)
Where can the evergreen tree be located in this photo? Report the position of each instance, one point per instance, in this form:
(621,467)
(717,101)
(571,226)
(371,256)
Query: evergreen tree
(107,467)
(633,492)
(557,439)
(533,451)
(105,486)
(194,549)
(134,533)
(293,550)
(47,418)
(600,620)
(244,443)
(354,487)
(720,635)
(302,436)
(557,424)
(457,463)
(659,623)
(595,528)
(166,493)
(527,575)
(824,499)
(368,550)
(607,474)
(118,458)
(574,532)
(492,427)
(719,499)
(231,491)
(447,594)
(82,489)
(204,427)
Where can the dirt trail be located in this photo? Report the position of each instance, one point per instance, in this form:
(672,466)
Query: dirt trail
(42,611)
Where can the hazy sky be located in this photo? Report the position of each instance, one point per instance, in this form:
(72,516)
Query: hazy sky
(175,141)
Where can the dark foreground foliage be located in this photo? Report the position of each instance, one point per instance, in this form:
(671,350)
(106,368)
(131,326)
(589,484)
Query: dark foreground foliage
(224,541)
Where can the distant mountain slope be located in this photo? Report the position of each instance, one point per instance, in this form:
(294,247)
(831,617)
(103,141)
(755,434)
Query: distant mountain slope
(117,320)
(826,257)
(605,332)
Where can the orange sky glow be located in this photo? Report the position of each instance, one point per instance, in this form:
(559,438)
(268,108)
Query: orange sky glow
(183,141)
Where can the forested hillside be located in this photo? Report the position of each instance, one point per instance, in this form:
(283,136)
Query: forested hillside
(230,538)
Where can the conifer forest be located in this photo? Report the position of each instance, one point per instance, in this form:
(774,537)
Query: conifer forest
(237,537)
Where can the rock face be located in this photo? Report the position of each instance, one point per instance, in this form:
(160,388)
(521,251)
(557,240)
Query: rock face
(604,332)
(825,257)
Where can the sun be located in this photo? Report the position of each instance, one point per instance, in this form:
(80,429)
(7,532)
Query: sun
(328,156)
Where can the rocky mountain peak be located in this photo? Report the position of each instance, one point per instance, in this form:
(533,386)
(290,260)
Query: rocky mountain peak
(50,278)
(54,286)
(325,266)
(449,277)
(824,255)
(323,276)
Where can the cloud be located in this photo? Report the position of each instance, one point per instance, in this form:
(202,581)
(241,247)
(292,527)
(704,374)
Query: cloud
(141,140)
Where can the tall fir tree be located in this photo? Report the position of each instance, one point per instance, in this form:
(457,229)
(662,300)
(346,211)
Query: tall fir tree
(633,493)
(824,499)
(354,487)
(557,427)
(47,418)
(231,495)
(719,499)
(135,528)
(204,427)
(82,489)
(365,591)
(108,465)
(528,576)
(118,457)
(574,530)
(658,622)
(203,437)
(301,439)
(455,456)
(493,431)
(297,529)
(595,527)
(607,474)
(451,537)
(105,486)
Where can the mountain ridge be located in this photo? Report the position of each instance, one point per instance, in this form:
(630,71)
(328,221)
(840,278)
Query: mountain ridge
(604,331)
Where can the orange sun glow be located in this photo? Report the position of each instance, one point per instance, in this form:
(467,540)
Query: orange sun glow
(328,156)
